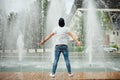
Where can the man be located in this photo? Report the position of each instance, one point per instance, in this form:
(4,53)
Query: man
(61,45)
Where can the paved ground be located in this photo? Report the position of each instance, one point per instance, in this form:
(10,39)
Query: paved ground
(63,76)
(59,76)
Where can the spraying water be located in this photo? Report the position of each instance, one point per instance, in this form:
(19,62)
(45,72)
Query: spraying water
(20,46)
(57,9)
(22,28)
(94,35)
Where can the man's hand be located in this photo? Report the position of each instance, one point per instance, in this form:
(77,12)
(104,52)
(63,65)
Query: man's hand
(42,43)
(79,43)
(46,39)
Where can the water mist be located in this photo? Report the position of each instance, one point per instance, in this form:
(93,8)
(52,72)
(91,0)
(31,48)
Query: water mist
(56,10)
(94,34)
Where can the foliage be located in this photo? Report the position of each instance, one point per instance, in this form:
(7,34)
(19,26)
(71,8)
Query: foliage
(45,4)
(80,49)
(105,20)
(76,48)
(115,46)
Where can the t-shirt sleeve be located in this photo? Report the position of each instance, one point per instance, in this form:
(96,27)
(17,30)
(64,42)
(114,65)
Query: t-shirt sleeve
(54,31)
(68,30)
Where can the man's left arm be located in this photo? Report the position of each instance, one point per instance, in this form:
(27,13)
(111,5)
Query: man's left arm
(74,38)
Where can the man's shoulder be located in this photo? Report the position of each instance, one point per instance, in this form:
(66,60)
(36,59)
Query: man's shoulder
(65,27)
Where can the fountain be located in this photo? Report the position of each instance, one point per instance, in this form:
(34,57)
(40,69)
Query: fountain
(94,34)
(20,31)
(23,30)
(20,46)
(57,9)
(23,21)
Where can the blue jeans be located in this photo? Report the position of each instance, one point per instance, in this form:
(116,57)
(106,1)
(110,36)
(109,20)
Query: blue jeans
(64,50)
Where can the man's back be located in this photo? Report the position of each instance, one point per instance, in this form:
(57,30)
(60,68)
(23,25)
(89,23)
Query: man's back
(61,35)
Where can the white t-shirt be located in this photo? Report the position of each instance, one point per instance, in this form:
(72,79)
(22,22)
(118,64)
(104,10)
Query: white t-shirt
(61,35)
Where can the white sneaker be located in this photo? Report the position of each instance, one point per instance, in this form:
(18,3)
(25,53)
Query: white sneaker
(70,75)
(51,75)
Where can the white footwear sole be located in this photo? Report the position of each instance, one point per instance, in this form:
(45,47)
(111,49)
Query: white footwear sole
(51,75)
(70,75)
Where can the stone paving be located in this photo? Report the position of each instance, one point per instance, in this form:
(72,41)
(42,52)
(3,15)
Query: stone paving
(59,76)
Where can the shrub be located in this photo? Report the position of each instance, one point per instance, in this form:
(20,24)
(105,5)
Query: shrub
(115,46)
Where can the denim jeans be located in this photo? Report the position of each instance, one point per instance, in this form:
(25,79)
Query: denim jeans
(64,50)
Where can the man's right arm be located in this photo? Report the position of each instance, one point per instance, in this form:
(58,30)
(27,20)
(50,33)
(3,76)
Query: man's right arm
(47,38)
